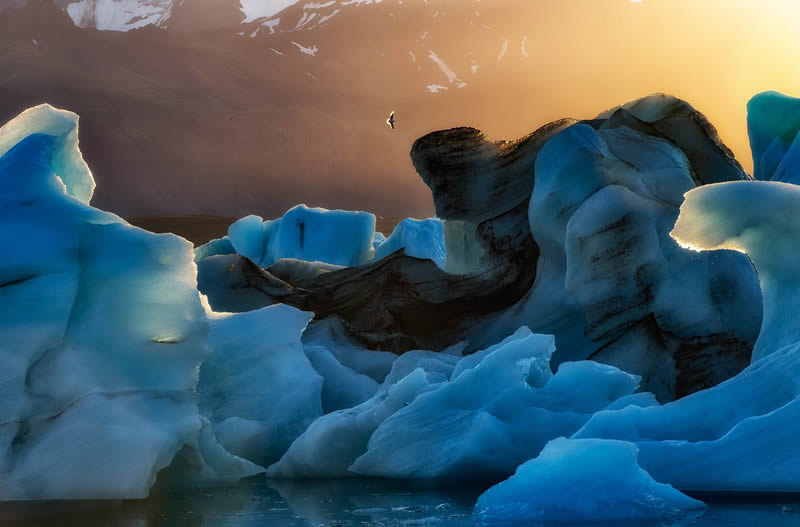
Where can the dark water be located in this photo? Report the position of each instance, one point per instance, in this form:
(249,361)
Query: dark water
(338,504)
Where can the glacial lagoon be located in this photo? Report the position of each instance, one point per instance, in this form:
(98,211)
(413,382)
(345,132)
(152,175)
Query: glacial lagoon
(346,503)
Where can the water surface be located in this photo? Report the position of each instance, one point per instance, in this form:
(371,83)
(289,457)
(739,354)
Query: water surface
(340,504)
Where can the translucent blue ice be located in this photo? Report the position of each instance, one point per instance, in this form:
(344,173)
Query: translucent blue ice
(773,124)
(442,416)
(422,239)
(584,480)
(311,234)
(102,333)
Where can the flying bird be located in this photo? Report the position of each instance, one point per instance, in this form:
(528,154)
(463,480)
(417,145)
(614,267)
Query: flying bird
(390,121)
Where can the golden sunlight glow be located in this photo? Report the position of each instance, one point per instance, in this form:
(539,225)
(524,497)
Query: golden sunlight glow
(586,55)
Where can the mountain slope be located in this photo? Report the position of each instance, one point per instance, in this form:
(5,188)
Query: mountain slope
(218,111)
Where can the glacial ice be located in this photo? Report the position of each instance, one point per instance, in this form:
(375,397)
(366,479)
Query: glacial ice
(493,416)
(739,435)
(427,421)
(218,247)
(419,238)
(107,370)
(611,284)
(583,480)
(220,278)
(342,387)
(333,336)
(311,234)
(333,442)
(378,239)
(66,160)
(758,218)
(258,389)
(250,236)
(102,331)
(773,124)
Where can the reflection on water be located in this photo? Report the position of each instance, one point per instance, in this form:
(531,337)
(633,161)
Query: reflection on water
(336,504)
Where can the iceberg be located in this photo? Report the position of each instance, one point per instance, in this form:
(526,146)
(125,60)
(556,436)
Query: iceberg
(311,234)
(773,124)
(442,416)
(258,389)
(419,238)
(331,335)
(65,158)
(611,284)
(378,239)
(342,387)
(222,278)
(333,442)
(102,333)
(739,435)
(583,480)
(757,218)
(492,415)
(218,247)
(115,368)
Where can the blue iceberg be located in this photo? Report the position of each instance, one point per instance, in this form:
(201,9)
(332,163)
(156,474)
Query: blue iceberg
(583,480)
(419,238)
(103,332)
(310,234)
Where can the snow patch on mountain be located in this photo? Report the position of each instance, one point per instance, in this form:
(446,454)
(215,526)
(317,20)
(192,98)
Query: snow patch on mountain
(119,15)
(449,73)
(308,50)
(257,9)
(503,50)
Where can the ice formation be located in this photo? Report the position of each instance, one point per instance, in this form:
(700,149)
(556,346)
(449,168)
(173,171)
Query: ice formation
(218,247)
(309,234)
(611,284)
(738,436)
(66,160)
(419,238)
(773,124)
(259,389)
(221,278)
(523,254)
(757,218)
(378,239)
(102,332)
(441,416)
(332,443)
(493,415)
(583,480)
(106,344)
(342,387)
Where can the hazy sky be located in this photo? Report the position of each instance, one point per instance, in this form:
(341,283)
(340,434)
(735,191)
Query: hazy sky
(585,55)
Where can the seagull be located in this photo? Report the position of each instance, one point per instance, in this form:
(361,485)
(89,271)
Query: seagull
(390,121)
